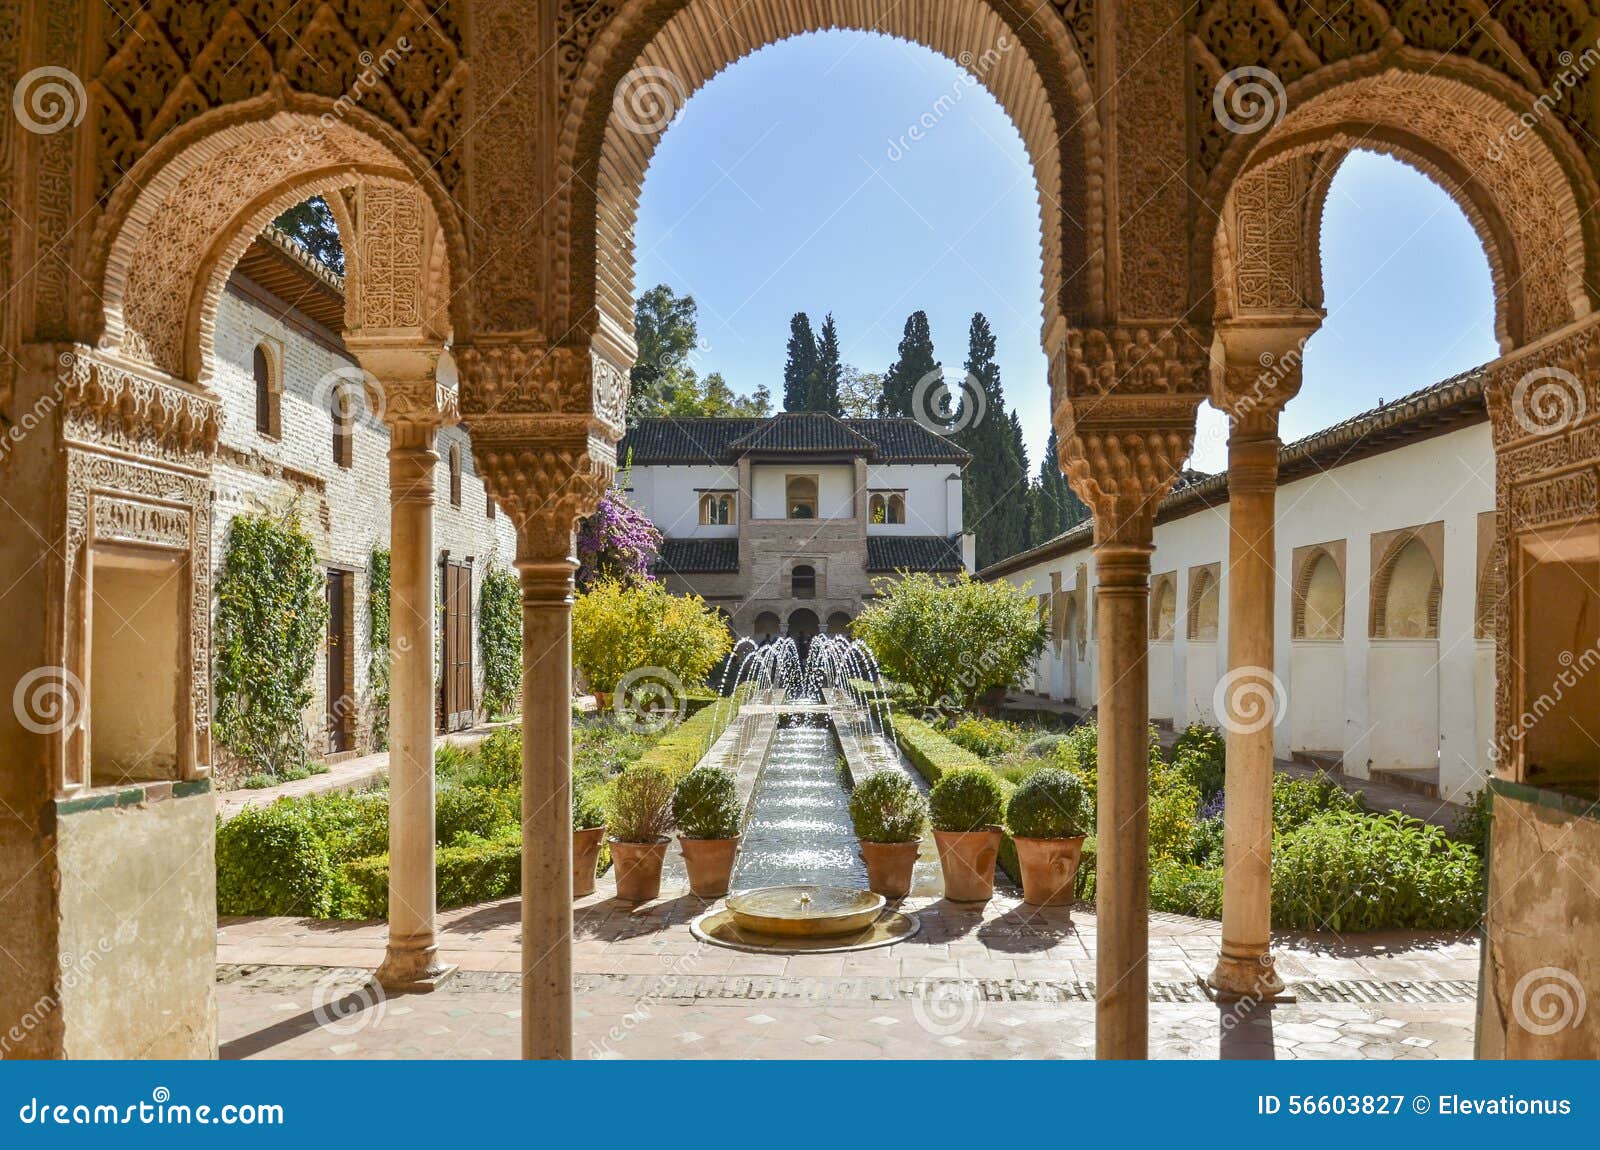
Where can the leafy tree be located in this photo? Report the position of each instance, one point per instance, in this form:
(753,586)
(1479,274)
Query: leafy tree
(860,392)
(915,362)
(617,543)
(667,332)
(825,384)
(312,224)
(952,641)
(500,638)
(271,613)
(800,367)
(713,396)
(617,629)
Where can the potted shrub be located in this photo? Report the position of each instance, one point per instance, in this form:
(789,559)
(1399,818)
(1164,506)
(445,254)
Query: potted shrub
(706,808)
(889,812)
(588,832)
(965,809)
(1049,818)
(641,812)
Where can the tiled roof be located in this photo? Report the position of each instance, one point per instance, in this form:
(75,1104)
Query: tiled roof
(688,441)
(914,553)
(699,556)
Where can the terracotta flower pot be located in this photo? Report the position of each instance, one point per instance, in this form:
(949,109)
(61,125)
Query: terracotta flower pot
(639,868)
(602,700)
(709,863)
(889,867)
(585,855)
(967,859)
(1049,867)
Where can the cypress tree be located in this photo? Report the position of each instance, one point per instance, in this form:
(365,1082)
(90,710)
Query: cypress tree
(824,394)
(799,370)
(915,362)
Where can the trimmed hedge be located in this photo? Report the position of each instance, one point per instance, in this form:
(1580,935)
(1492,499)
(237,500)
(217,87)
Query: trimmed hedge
(470,872)
(933,755)
(272,860)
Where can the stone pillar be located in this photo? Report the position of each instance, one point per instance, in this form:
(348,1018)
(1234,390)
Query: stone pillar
(1125,399)
(401,383)
(1259,373)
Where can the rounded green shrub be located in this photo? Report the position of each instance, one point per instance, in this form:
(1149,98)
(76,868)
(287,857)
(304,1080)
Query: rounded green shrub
(588,810)
(270,860)
(1296,802)
(888,808)
(705,804)
(641,804)
(1050,804)
(966,799)
(499,759)
(473,811)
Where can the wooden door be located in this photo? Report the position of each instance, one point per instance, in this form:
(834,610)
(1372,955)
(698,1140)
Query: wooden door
(459,710)
(341,704)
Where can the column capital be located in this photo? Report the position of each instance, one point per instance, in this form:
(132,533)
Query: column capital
(1257,368)
(515,378)
(546,474)
(401,380)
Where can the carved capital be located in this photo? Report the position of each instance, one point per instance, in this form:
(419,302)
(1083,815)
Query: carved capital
(401,385)
(1257,369)
(1135,359)
(545,476)
(1123,473)
(106,402)
(508,379)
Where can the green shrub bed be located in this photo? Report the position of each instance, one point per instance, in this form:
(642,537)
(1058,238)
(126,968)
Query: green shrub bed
(934,755)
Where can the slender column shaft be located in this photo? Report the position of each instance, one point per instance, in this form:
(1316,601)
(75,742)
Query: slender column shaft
(1122,829)
(412,961)
(546,808)
(1248,711)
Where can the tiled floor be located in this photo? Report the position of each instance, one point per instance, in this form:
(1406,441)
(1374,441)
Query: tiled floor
(1004,981)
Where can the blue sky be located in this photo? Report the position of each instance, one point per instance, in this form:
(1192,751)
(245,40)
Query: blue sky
(783,187)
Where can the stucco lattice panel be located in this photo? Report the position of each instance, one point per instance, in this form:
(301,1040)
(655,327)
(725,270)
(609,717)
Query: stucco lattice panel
(168,61)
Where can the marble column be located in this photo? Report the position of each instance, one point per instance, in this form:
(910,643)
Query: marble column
(1259,373)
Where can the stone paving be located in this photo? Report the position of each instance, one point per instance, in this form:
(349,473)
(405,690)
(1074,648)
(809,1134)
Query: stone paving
(1001,981)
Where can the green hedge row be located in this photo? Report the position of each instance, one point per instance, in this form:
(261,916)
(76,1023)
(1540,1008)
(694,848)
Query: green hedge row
(467,873)
(933,754)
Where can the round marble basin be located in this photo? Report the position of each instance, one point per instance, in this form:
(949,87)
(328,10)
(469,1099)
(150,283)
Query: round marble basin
(804,910)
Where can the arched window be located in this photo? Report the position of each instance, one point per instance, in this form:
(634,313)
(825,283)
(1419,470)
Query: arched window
(1164,609)
(488,502)
(878,508)
(716,508)
(342,405)
(887,507)
(803,582)
(455,476)
(1204,593)
(267,411)
(1319,610)
(839,624)
(801,497)
(1405,594)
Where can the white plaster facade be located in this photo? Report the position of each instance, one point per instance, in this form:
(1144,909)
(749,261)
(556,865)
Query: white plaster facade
(1411,704)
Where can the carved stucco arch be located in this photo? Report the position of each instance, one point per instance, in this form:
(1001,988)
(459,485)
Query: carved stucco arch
(1444,117)
(1040,80)
(177,225)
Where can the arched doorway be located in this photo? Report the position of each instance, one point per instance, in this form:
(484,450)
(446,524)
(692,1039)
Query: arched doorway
(766,627)
(803,627)
(839,624)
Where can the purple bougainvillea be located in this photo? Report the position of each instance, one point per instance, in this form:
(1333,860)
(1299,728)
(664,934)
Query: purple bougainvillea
(616,542)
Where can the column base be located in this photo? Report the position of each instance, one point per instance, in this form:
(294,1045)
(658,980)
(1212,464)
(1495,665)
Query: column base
(1246,976)
(413,969)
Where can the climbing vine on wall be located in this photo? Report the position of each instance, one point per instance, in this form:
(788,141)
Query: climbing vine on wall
(378,644)
(271,613)
(500,639)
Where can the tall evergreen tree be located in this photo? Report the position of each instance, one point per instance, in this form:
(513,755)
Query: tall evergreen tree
(992,497)
(799,370)
(1057,506)
(915,363)
(824,394)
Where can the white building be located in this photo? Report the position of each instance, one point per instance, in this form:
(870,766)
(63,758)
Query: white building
(1388,584)
(783,523)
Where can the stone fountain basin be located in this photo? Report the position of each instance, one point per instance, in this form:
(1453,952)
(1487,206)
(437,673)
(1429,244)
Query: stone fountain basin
(805,911)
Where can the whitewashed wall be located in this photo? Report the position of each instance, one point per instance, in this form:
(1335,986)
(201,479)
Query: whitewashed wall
(933,497)
(836,489)
(670,497)
(1376,702)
